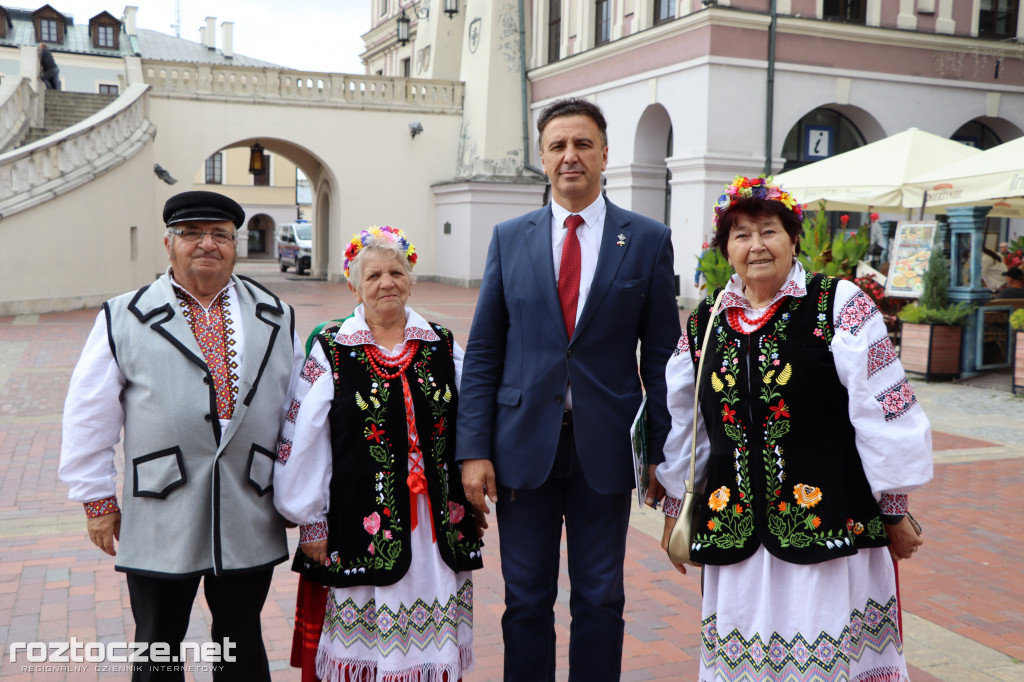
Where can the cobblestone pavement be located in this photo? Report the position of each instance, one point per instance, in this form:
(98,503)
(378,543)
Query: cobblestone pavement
(963,595)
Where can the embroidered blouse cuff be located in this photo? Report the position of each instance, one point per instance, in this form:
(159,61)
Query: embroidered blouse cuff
(893,507)
(108,505)
(312,532)
(672,506)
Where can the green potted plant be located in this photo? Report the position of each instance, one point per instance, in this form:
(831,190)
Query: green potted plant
(932,328)
(1017,325)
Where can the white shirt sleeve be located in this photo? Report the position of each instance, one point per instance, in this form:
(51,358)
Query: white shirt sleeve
(893,434)
(93,417)
(673,472)
(458,355)
(302,473)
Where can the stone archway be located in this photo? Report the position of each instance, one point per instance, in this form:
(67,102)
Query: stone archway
(651,176)
(322,233)
(260,238)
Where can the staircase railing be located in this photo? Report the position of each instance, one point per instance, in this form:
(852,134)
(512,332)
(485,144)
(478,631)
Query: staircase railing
(18,103)
(69,159)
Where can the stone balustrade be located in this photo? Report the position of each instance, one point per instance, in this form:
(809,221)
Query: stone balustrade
(18,103)
(287,86)
(59,163)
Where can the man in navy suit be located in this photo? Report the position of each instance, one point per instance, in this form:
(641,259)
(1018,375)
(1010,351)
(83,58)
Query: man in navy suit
(549,389)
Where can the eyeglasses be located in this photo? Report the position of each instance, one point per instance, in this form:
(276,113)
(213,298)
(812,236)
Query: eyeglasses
(196,236)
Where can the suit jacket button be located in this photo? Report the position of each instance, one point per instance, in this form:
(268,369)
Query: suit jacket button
(208,417)
(558,398)
(569,353)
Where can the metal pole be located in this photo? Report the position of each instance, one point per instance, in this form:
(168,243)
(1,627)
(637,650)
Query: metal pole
(770,95)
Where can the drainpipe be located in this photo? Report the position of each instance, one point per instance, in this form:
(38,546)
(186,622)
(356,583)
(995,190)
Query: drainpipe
(526,106)
(770,96)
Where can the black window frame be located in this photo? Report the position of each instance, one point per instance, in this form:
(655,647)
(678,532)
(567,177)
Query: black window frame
(107,89)
(990,18)
(847,11)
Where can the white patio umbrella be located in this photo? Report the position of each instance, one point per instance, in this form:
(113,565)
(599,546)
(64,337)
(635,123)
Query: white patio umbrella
(982,178)
(874,175)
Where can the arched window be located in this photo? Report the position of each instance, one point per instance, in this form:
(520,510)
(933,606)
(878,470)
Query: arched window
(977,134)
(819,135)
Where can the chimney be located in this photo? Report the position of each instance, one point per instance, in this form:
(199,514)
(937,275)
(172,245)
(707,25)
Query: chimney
(211,33)
(227,33)
(202,35)
(129,19)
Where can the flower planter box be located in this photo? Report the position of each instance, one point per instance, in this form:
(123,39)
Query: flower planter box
(1018,361)
(931,349)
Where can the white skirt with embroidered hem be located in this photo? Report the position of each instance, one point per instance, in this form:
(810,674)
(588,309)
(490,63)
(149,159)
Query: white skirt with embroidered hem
(418,630)
(767,620)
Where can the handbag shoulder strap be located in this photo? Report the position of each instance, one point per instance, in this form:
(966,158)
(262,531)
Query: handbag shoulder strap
(696,390)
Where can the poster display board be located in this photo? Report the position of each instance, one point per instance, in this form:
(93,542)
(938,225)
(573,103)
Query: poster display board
(908,260)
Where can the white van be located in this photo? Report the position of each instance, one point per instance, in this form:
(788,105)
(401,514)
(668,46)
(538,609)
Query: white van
(295,246)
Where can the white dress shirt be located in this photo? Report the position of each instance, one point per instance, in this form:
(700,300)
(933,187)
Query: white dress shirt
(589,234)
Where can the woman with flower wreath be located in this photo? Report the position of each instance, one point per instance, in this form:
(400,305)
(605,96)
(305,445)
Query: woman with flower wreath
(808,440)
(366,466)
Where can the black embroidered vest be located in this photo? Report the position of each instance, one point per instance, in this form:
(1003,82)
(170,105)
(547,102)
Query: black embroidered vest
(369,524)
(784,469)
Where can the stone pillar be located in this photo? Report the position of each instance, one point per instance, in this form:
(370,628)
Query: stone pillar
(967,234)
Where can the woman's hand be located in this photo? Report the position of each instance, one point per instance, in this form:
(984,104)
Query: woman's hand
(903,539)
(317,551)
(670,523)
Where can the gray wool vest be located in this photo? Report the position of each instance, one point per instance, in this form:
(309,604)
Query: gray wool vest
(198,501)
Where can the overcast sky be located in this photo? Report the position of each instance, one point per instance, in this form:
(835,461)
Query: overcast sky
(313,35)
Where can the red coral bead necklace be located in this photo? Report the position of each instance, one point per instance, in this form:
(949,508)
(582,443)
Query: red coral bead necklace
(736,314)
(398,363)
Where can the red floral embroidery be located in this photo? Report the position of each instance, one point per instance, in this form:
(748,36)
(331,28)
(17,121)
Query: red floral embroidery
(312,371)
(672,506)
(881,354)
(893,504)
(313,532)
(897,399)
(293,410)
(780,410)
(284,450)
(856,312)
(213,330)
(683,345)
(728,415)
(108,505)
(373,433)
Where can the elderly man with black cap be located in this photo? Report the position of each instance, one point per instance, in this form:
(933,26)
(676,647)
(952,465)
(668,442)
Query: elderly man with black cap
(195,369)
(1014,284)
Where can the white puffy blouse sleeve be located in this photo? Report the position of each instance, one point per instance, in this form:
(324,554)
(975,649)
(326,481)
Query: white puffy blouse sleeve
(302,473)
(673,472)
(893,434)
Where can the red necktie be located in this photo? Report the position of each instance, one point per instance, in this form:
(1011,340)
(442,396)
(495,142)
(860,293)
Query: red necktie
(569,273)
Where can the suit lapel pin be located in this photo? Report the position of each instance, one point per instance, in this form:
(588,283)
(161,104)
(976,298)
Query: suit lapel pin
(622,240)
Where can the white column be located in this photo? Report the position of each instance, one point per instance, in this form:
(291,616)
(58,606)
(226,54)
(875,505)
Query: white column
(906,18)
(944,22)
(639,187)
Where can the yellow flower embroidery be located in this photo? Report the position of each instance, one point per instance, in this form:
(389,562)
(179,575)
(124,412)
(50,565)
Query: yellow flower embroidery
(784,375)
(806,496)
(719,499)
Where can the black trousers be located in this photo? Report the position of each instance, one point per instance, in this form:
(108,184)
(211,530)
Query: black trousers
(161,607)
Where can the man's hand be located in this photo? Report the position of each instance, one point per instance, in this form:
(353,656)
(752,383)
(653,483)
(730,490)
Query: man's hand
(655,491)
(479,484)
(903,539)
(316,550)
(103,530)
(670,523)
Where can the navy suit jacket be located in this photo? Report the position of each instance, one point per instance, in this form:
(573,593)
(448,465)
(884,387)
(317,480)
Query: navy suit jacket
(519,359)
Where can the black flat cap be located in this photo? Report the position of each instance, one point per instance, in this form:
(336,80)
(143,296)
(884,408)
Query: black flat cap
(200,205)
(1014,273)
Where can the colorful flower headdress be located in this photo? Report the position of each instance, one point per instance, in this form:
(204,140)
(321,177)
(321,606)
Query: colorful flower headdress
(384,234)
(755,188)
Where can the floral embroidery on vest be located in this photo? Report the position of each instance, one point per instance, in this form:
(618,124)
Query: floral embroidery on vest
(214,330)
